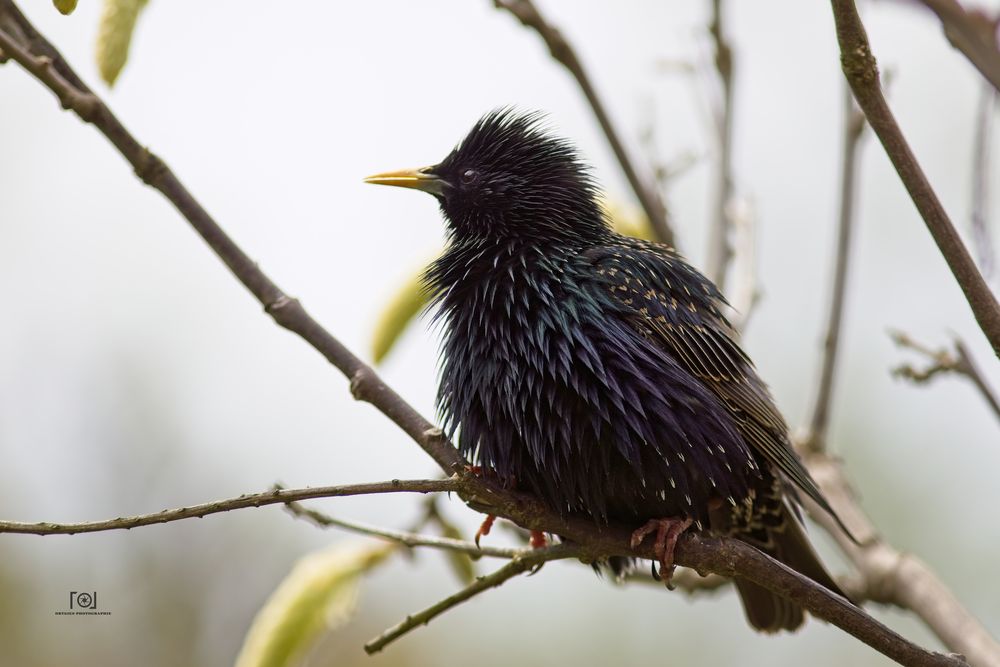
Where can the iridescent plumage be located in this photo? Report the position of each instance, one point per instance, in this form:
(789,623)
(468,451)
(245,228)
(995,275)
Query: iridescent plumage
(596,370)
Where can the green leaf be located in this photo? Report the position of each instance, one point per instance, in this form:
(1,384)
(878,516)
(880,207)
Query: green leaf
(319,594)
(65,6)
(114,35)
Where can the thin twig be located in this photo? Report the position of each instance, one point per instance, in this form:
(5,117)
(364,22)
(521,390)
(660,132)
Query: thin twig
(724,556)
(854,124)
(275,496)
(720,249)
(861,71)
(405,538)
(563,53)
(973,33)
(745,292)
(981,172)
(958,361)
(521,563)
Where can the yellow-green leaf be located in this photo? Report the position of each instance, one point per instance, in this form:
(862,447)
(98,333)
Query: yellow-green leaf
(65,6)
(405,305)
(461,564)
(114,35)
(319,594)
(627,220)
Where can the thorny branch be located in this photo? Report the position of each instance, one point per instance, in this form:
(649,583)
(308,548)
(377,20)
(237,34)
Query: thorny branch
(957,361)
(561,50)
(861,71)
(727,557)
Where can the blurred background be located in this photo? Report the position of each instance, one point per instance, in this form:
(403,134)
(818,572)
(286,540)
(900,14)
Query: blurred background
(136,374)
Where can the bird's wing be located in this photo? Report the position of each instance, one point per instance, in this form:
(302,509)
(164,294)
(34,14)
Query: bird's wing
(675,306)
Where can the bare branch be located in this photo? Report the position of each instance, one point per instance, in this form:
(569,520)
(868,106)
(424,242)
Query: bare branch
(275,496)
(973,33)
(861,71)
(518,565)
(727,557)
(981,171)
(405,538)
(563,53)
(893,577)
(854,124)
(944,361)
(745,292)
(720,249)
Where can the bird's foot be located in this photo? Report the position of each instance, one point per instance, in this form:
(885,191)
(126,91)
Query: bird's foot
(485,527)
(537,540)
(667,531)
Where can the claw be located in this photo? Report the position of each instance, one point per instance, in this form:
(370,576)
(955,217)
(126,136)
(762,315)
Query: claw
(667,531)
(484,528)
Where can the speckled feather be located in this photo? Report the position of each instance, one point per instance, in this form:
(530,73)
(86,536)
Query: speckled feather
(598,370)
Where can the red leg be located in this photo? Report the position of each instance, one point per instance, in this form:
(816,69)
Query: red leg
(484,529)
(537,540)
(667,531)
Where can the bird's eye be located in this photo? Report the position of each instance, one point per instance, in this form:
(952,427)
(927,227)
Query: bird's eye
(469,175)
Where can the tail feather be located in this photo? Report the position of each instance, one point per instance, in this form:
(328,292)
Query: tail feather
(784,539)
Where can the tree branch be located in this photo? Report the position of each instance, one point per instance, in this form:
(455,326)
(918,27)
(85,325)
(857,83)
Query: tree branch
(524,561)
(973,33)
(854,124)
(981,178)
(405,538)
(563,53)
(725,556)
(944,361)
(894,577)
(720,248)
(275,496)
(744,293)
(861,71)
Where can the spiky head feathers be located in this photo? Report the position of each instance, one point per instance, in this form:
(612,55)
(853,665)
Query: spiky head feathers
(511,177)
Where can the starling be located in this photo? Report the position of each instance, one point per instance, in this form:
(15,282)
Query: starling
(597,371)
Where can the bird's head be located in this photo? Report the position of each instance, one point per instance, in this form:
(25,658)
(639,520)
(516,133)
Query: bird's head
(510,178)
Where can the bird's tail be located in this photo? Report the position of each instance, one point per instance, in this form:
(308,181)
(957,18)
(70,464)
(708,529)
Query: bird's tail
(777,531)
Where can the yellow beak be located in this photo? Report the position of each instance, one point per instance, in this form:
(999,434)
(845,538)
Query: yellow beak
(418,179)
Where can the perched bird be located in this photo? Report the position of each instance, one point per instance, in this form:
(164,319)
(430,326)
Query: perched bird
(596,370)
